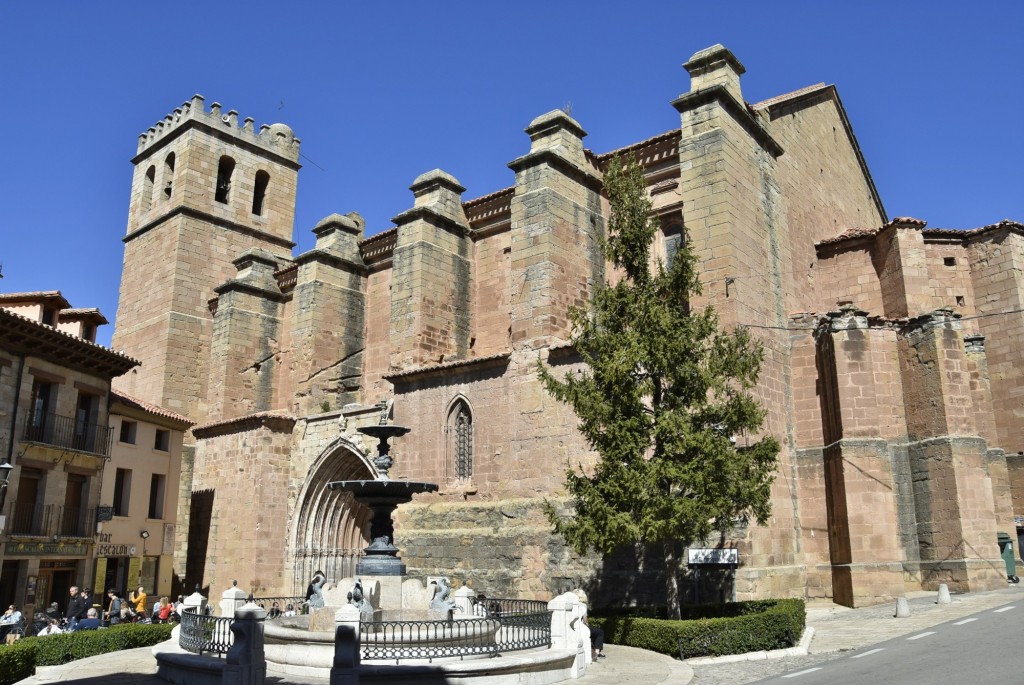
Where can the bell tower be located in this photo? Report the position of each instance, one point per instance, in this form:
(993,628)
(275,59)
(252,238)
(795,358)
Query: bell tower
(205,190)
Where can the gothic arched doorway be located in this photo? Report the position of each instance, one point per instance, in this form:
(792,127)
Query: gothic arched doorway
(331,529)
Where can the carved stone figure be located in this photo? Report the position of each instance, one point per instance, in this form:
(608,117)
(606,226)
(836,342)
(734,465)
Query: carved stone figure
(316,601)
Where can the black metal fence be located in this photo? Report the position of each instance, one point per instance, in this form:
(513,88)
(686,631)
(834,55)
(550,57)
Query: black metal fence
(505,625)
(49,520)
(297,604)
(202,634)
(67,432)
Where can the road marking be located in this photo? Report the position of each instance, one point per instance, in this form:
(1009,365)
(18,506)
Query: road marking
(920,635)
(809,670)
(966,620)
(999,611)
(868,653)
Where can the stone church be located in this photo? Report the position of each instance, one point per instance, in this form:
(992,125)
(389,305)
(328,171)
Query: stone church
(890,378)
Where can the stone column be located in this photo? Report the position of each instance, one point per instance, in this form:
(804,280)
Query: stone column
(245,662)
(432,284)
(863,512)
(245,340)
(345,670)
(232,600)
(556,223)
(569,632)
(953,492)
(328,317)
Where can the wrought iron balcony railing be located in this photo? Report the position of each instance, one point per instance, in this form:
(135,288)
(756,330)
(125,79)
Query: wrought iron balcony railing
(66,432)
(50,520)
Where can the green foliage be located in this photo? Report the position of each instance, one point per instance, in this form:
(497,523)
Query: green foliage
(713,630)
(662,396)
(18,661)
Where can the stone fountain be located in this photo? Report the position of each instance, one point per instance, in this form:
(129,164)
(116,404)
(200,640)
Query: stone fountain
(382,496)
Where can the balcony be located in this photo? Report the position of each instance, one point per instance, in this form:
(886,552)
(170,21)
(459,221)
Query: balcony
(50,520)
(67,433)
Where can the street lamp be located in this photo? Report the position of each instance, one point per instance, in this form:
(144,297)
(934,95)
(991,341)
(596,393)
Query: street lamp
(5,475)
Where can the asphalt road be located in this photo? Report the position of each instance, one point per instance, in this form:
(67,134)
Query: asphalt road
(982,649)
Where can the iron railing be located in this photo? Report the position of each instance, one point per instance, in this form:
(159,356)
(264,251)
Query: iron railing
(509,625)
(298,604)
(201,633)
(49,520)
(66,432)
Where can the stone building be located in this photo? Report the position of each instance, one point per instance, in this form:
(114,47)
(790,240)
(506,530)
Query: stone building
(55,436)
(893,413)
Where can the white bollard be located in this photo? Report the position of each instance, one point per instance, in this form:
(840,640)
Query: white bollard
(943,595)
(902,608)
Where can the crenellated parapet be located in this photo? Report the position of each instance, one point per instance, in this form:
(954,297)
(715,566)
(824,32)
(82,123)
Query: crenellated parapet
(277,138)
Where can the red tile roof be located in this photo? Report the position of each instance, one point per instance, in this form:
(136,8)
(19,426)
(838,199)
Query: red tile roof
(134,402)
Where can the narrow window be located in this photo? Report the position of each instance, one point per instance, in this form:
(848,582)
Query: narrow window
(89,332)
(128,429)
(147,188)
(49,316)
(168,176)
(224,171)
(122,491)
(156,496)
(673,240)
(41,420)
(460,437)
(960,302)
(86,414)
(162,441)
(259,193)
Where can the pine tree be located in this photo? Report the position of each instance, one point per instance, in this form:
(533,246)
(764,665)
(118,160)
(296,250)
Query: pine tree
(662,396)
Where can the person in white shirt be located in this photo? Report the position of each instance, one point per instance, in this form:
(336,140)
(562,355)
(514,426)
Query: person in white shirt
(51,628)
(10,619)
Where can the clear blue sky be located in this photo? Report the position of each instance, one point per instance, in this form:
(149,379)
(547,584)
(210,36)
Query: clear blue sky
(381,92)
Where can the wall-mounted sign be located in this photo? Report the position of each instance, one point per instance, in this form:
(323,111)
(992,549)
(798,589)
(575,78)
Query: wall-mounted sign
(712,555)
(115,550)
(45,548)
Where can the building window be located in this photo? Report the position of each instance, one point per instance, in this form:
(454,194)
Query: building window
(122,491)
(224,171)
(44,396)
(156,496)
(460,439)
(259,194)
(128,429)
(49,316)
(163,440)
(168,175)
(89,332)
(673,241)
(949,261)
(86,416)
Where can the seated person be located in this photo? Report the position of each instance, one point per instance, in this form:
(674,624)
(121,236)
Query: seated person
(10,620)
(90,622)
(51,628)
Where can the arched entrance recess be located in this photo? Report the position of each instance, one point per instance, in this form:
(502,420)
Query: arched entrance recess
(331,529)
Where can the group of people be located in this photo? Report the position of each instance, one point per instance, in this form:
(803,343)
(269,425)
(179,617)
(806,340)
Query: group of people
(83,614)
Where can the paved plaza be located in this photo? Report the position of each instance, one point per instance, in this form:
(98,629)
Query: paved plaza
(836,629)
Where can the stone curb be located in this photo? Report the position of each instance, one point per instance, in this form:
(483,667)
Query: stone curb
(801,649)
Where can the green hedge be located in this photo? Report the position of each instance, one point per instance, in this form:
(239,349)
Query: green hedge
(19,660)
(711,630)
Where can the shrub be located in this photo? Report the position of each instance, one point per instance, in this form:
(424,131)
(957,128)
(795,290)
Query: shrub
(712,630)
(19,660)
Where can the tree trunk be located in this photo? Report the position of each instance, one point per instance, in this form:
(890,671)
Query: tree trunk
(672,580)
